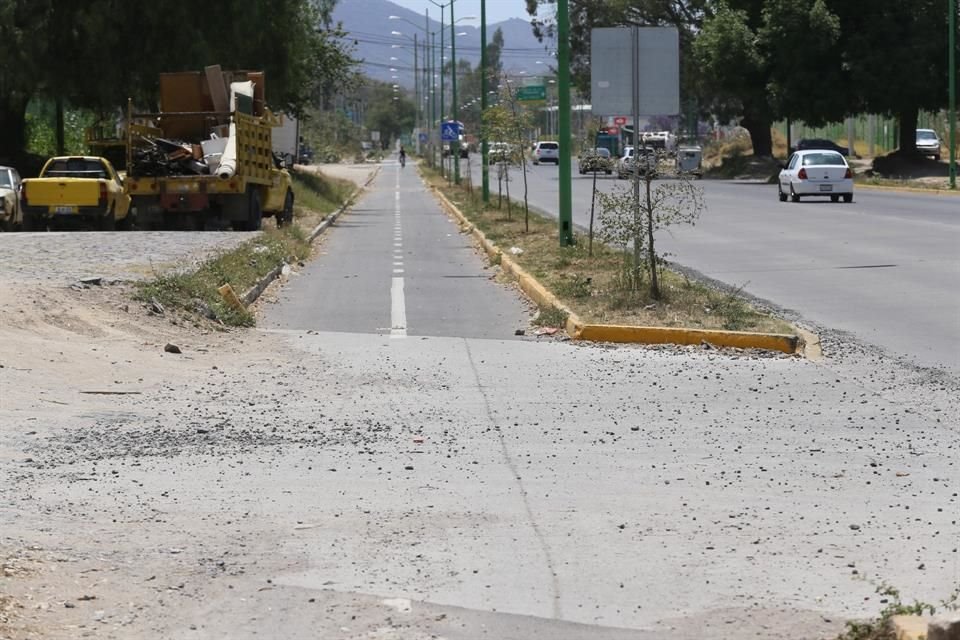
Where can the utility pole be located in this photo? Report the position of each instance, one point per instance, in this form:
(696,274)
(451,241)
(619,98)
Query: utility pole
(416,95)
(434,124)
(484,145)
(952,84)
(442,110)
(455,144)
(563,86)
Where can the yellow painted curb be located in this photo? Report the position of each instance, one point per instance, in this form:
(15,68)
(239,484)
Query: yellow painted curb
(672,335)
(577,330)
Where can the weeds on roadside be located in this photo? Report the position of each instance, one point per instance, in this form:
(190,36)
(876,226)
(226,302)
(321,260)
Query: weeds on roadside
(880,628)
(198,290)
(551,317)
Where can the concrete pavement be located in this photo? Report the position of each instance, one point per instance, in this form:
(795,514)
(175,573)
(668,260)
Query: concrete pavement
(396,264)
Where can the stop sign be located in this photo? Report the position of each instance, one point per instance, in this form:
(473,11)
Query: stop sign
(620,121)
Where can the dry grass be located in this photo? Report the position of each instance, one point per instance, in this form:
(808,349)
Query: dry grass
(594,287)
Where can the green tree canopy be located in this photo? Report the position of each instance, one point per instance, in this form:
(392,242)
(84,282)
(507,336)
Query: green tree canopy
(97,53)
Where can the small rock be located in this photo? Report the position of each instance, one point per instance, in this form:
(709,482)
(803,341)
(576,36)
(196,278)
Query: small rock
(85,598)
(156,307)
(519,332)
(409,467)
(516,251)
(95,281)
(69,605)
(855,527)
(171,348)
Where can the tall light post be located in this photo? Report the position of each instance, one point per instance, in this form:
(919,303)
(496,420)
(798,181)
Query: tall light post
(484,146)
(563,86)
(952,84)
(442,116)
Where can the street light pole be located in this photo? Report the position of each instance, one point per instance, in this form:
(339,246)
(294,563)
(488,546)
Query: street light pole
(563,87)
(484,145)
(952,84)
(442,110)
(455,144)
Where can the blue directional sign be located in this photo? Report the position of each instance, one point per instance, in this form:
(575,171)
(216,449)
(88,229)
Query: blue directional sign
(423,138)
(450,131)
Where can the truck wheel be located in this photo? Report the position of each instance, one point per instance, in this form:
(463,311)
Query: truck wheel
(126,223)
(285,217)
(254,219)
(32,222)
(108,222)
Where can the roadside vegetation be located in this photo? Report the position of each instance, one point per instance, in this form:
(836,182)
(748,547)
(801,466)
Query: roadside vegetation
(881,627)
(602,288)
(196,291)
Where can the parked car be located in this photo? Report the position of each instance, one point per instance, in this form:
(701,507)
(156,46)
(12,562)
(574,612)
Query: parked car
(646,156)
(819,143)
(546,152)
(11,216)
(816,172)
(73,188)
(499,152)
(928,143)
(593,160)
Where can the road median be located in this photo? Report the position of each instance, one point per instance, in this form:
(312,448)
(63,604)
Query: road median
(552,267)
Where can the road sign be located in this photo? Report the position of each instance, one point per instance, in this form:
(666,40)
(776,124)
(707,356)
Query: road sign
(423,138)
(654,68)
(449,131)
(532,93)
(620,121)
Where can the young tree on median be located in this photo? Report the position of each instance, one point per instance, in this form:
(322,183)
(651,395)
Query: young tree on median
(627,220)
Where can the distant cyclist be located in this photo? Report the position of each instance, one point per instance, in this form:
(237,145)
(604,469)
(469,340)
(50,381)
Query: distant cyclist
(403,156)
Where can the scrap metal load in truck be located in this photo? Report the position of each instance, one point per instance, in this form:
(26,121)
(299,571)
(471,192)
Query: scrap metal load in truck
(206,159)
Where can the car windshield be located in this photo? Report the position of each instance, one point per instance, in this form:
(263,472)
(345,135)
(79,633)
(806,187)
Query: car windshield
(926,135)
(6,182)
(817,159)
(549,145)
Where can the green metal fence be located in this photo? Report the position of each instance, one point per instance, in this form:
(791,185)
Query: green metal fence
(873,135)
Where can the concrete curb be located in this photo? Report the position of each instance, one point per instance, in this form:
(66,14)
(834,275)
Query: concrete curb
(257,290)
(929,192)
(578,330)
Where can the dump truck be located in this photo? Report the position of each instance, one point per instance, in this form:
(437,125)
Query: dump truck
(74,190)
(205,160)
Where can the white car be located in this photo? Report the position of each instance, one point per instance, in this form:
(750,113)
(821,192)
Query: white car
(11,217)
(928,144)
(648,162)
(816,172)
(546,152)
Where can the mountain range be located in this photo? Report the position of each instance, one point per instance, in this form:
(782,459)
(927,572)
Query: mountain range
(368,26)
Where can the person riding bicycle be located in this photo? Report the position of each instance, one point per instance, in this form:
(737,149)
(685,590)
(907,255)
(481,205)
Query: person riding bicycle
(403,156)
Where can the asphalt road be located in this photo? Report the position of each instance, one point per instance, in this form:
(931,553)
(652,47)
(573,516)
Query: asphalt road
(397,265)
(884,268)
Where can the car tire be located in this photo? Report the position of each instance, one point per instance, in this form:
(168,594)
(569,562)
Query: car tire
(285,217)
(33,222)
(108,222)
(835,198)
(848,198)
(937,157)
(781,194)
(794,196)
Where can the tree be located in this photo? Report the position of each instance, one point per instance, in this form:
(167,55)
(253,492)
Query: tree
(626,219)
(384,114)
(95,54)
(734,73)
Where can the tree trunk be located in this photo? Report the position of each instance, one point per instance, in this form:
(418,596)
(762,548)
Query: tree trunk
(61,134)
(908,130)
(13,128)
(760,136)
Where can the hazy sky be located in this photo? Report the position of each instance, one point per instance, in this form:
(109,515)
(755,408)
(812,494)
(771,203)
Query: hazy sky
(497,10)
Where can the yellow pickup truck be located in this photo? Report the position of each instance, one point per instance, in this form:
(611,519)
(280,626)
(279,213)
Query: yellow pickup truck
(74,189)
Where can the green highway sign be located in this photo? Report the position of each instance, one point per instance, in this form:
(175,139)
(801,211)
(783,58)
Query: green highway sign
(532,93)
